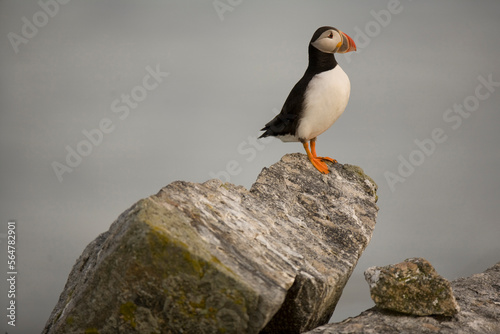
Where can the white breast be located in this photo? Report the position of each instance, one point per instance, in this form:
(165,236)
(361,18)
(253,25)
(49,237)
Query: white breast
(325,100)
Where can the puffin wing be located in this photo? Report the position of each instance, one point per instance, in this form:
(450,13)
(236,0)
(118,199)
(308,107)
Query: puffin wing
(286,122)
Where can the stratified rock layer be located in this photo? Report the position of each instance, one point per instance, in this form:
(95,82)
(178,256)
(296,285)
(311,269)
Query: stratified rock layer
(218,258)
(412,287)
(478,297)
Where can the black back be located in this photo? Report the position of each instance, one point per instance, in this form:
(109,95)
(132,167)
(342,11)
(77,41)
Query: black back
(287,121)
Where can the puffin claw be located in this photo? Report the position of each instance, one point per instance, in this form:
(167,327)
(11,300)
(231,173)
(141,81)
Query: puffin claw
(333,161)
(320,165)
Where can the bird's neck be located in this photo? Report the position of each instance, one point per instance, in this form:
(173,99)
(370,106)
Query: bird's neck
(320,61)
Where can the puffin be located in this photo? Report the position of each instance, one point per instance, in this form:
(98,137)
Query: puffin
(318,99)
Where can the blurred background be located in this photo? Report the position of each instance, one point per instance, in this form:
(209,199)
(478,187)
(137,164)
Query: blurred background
(103,103)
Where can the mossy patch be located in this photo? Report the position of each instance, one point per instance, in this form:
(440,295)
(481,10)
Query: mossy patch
(361,174)
(127,312)
(70,320)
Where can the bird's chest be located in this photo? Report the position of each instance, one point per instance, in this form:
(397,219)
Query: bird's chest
(325,100)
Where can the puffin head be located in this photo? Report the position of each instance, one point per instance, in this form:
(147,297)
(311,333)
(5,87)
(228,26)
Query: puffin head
(331,40)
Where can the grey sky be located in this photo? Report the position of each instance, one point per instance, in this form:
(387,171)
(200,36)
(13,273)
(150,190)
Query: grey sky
(227,72)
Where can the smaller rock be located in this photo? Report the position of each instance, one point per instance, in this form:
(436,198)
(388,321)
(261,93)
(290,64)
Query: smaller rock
(411,287)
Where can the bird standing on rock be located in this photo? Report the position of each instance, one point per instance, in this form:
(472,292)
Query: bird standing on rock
(318,99)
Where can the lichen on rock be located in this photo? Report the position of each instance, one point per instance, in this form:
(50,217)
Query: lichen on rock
(411,287)
(477,295)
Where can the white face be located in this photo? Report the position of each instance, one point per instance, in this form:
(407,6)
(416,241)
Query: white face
(328,42)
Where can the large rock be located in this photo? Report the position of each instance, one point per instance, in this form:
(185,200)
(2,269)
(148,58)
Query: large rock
(411,287)
(218,258)
(478,297)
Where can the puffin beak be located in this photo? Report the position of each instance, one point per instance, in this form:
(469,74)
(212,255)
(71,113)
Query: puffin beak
(348,44)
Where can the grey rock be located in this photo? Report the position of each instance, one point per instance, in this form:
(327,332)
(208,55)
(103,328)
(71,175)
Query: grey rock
(218,258)
(478,297)
(411,287)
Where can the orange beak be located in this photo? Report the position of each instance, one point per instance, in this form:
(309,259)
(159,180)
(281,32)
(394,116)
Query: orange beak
(348,44)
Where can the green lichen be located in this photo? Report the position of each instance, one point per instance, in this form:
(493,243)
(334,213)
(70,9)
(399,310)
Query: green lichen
(127,312)
(196,264)
(70,320)
(92,330)
(187,271)
(174,255)
(360,172)
(200,305)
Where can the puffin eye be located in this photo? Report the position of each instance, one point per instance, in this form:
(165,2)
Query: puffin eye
(331,35)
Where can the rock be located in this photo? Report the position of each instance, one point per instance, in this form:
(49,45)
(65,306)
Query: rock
(218,258)
(411,287)
(478,297)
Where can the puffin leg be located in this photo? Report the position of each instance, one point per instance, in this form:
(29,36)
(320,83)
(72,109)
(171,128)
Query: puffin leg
(317,162)
(313,151)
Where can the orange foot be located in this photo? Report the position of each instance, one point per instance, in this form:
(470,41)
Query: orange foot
(319,164)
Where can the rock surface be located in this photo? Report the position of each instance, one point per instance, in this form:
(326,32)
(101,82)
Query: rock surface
(411,287)
(218,258)
(478,297)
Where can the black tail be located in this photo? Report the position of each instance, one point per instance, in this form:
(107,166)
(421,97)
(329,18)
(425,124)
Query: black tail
(279,126)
